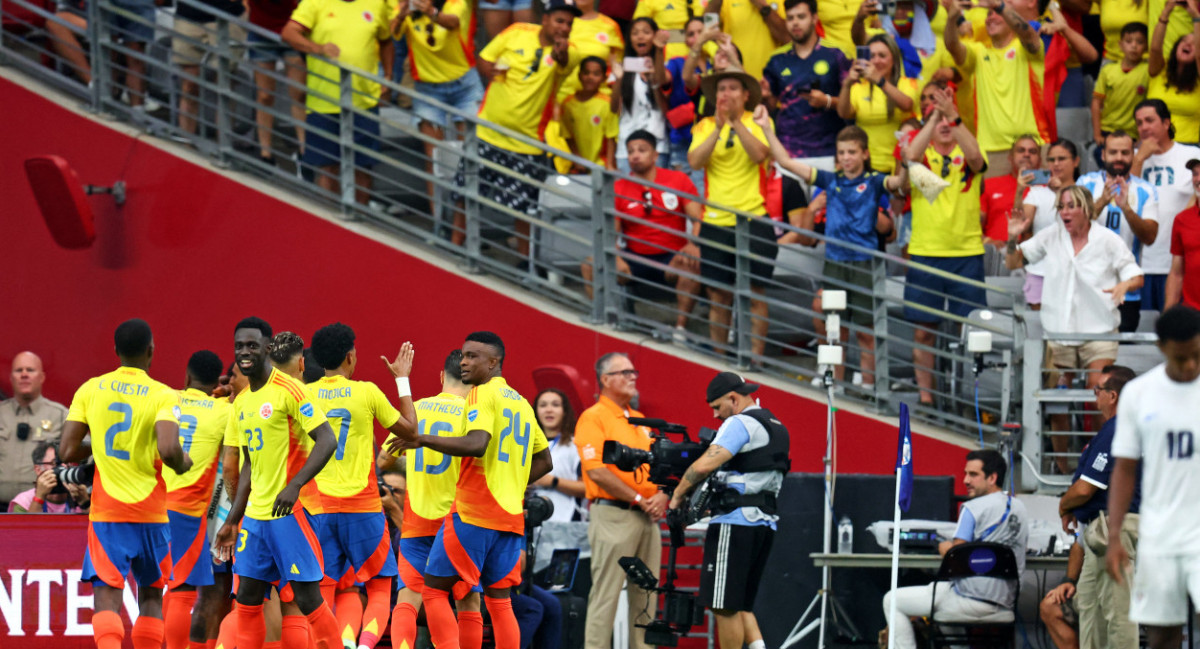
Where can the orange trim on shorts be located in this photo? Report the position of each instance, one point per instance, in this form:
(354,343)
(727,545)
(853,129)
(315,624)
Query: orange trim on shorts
(462,562)
(164,570)
(348,580)
(309,535)
(105,570)
(413,579)
(513,578)
(183,569)
(378,558)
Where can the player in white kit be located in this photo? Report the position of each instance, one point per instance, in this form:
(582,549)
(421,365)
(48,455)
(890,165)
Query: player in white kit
(1157,424)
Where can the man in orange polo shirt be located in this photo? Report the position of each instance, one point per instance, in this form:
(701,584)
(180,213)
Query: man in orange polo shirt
(626,507)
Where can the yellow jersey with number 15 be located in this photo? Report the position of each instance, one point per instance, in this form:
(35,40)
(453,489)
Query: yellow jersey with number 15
(274,421)
(491,489)
(432,476)
(202,423)
(120,409)
(347,483)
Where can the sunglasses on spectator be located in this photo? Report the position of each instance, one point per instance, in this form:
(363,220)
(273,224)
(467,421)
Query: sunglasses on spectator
(729,140)
(629,374)
(429,40)
(647,203)
(537,62)
(1102,388)
(946,161)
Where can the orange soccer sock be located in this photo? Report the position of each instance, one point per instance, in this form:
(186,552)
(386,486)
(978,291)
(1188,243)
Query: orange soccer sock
(470,629)
(329,592)
(251,627)
(177,617)
(211,644)
(404,626)
(227,634)
(504,622)
(148,633)
(108,630)
(349,613)
(443,628)
(274,644)
(324,628)
(375,615)
(295,632)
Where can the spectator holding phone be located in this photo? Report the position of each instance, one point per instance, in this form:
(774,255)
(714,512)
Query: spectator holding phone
(878,97)
(1037,203)
(757,26)
(672,16)
(1174,80)
(25,420)
(638,96)
(996,201)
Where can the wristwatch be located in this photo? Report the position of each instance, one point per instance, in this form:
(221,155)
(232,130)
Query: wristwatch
(554,482)
(957,121)
(767,10)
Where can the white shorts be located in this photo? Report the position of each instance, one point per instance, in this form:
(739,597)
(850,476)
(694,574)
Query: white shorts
(1161,585)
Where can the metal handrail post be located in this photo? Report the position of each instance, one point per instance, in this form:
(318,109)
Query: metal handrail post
(741,318)
(883,392)
(470,194)
(1031,410)
(346,142)
(224,95)
(600,252)
(98,34)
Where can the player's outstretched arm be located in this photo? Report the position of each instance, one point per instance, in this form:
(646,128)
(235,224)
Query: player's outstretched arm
(169,448)
(473,444)
(401,368)
(71,448)
(542,464)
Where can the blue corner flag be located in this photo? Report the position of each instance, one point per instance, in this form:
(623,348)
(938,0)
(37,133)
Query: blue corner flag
(904,461)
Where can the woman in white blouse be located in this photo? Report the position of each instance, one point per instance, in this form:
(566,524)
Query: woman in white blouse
(564,484)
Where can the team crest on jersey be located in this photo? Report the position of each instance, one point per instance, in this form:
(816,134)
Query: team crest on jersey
(602,37)
(595,120)
(862,187)
(1141,90)
(957,161)
(368,16)
(670,201)
(821,67)
(1010,55)
(472,414)
(306,409)
(266,410)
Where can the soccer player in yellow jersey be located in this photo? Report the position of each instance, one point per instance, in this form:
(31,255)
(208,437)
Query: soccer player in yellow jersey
(202,423)
(134,423)
(276,541)
(353,530)
(482,539)
(431,480)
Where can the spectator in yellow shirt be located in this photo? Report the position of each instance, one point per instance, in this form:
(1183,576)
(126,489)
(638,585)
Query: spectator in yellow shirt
(592,34)
(757,26)
(732,150)
(588,123)
(877,97)
(1175,80)
(1120,87)
(671,15)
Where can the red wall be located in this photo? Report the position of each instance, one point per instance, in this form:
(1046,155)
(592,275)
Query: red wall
(192,252)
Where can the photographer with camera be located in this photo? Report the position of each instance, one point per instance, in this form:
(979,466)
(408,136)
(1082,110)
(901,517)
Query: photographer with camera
(49,496)
(25,420)
(749,459)
(625,506)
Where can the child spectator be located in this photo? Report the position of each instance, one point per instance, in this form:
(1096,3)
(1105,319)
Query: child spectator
(852,214)
(588,123)
(1115,16)
(1174,80)
(592,34)
(1120,87)
(637,96)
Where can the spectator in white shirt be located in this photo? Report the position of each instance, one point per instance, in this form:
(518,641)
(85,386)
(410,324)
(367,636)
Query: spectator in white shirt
(1087,269)
(1162,162)
(564,484)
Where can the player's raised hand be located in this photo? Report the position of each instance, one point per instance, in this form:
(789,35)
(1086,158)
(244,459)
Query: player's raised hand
(286,500)
(223,543)
(402,366)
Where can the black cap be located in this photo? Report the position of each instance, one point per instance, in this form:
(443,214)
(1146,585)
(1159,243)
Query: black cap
(562,5)
(1191,164)
(727,382)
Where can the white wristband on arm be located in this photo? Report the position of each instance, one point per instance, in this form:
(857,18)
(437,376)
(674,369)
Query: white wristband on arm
(402,387)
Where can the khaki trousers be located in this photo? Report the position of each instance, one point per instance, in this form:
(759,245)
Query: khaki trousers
(614,533)
(1102,603)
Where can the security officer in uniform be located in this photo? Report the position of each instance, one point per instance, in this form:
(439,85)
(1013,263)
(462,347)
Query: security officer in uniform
(25,420)
(749,457)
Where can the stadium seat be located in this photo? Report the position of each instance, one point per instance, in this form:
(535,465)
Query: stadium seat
(565,378)
(988,560)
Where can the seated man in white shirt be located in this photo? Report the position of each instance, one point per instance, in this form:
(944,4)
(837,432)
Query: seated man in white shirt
(989,515)
(1087,271)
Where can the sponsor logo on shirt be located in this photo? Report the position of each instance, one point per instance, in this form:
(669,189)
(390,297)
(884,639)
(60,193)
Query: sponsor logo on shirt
(821,67)
(472,414)
(787,72)
(306,409)
(175,411)
(266,410)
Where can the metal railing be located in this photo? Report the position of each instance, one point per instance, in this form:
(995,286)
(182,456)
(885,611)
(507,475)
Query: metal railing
(412,192)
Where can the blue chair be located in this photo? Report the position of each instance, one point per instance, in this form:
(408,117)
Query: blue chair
(989,560)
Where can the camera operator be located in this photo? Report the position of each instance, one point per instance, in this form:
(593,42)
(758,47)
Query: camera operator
(750,458)
(625,507)
(25,419)
(47,497)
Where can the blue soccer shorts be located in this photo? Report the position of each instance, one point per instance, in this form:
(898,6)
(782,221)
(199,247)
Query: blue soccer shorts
(478,555)
(117,549)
